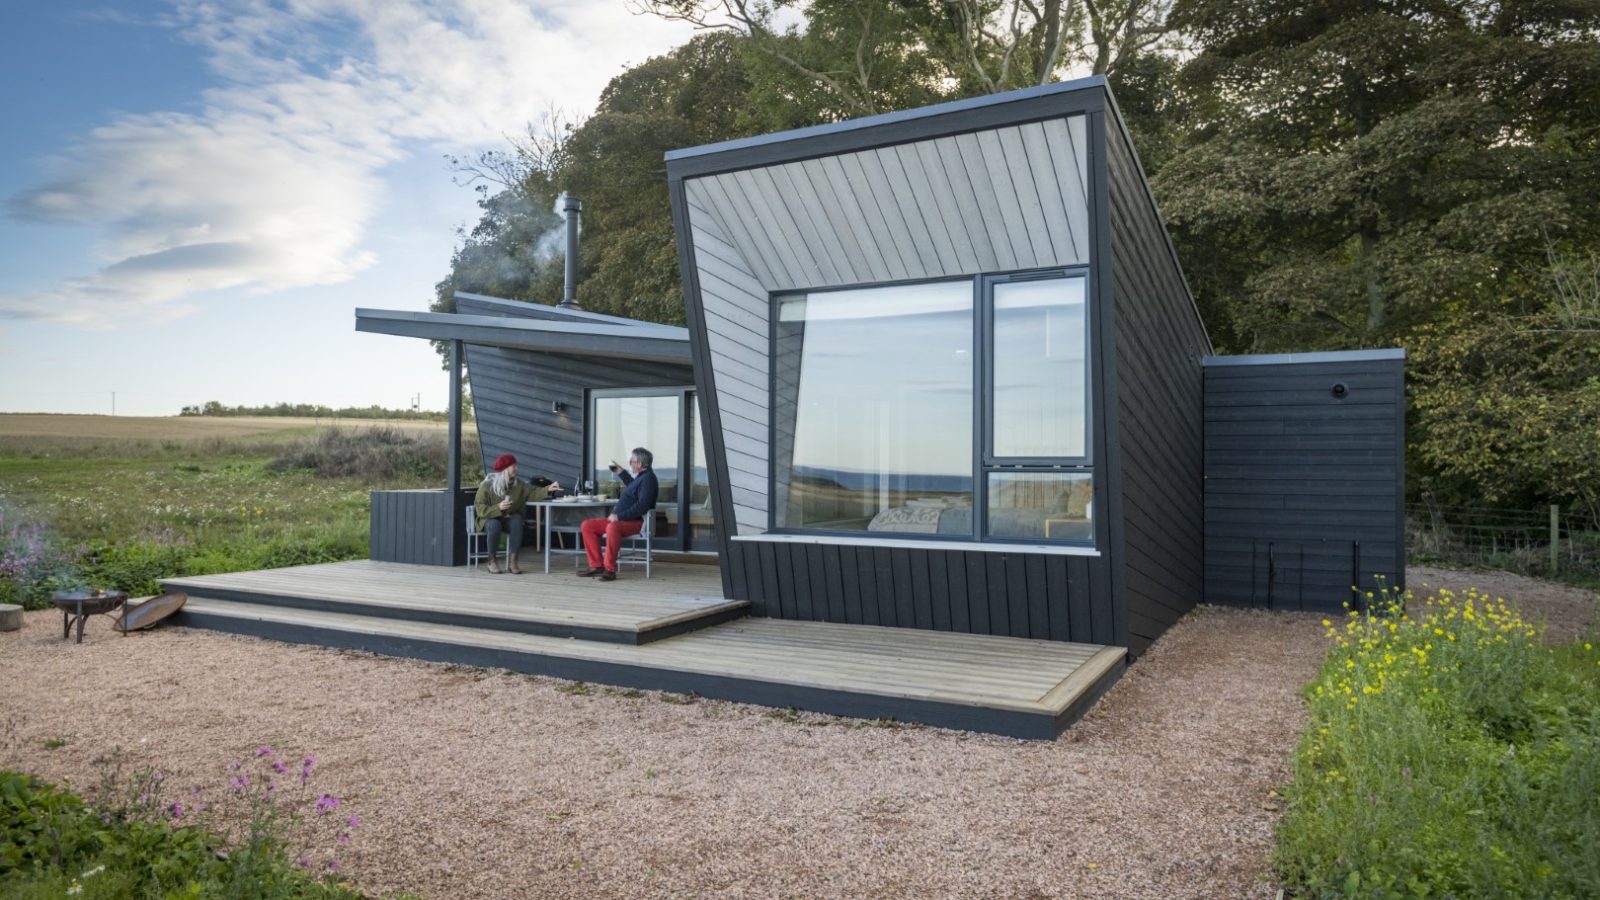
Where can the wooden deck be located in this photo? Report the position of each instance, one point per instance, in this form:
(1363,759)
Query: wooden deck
(631,610)
(1013,686)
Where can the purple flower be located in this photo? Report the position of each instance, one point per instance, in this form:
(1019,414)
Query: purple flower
(327,803)
(279,767)
(333,864)
(235,766)
(354,821)
(303,862)
(176,810)
(194,791)
(344,837)
(263,751)
(158,778)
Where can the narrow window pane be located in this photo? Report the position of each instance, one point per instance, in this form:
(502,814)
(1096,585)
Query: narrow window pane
(1040,377)
(1041,506)
(873,410)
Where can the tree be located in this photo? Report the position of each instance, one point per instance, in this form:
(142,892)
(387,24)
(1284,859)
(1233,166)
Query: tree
(1359,170)
(613,161)
(846,58)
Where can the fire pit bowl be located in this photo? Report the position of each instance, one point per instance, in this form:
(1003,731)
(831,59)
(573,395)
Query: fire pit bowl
(78,606)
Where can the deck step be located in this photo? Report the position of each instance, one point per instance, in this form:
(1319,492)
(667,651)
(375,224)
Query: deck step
(1011,686)
(641,613)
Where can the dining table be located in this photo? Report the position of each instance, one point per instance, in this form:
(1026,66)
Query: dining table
(573,510)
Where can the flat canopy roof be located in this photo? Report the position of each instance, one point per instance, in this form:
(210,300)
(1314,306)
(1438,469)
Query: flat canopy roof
(643,340)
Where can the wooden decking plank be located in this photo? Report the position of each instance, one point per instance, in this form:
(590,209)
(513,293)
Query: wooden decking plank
(688,653)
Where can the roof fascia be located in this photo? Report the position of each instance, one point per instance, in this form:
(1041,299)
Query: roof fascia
(925,123)
(1281,359)
(531,334)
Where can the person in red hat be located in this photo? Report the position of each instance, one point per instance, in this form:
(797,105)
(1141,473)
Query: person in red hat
(502,504)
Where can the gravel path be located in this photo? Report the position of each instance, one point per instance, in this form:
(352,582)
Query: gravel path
(474,783)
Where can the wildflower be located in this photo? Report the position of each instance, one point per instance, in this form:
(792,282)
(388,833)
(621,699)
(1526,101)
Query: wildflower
(94,871)
(279,767)
(344,837)
(263,751)
(175,811)
(303,862)
(354,821)
(327,803)
(74,888)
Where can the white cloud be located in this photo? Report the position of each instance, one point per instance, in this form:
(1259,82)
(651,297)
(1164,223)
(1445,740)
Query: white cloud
(273,184)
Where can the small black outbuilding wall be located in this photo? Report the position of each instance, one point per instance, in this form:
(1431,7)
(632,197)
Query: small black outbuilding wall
(951,373)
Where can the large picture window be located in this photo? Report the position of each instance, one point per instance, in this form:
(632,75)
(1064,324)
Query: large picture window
(873,409)
(955,409)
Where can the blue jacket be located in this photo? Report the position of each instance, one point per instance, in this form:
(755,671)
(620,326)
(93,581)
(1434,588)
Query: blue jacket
(639,497)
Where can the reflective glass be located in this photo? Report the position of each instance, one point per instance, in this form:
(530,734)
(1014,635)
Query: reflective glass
(623,423)
(1040,506)
(1040,377)
(873,410)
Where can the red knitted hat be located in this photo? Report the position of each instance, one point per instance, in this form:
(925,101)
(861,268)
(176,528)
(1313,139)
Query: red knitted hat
(506,460)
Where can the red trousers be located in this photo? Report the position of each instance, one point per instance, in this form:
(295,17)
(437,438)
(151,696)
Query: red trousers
(614,532)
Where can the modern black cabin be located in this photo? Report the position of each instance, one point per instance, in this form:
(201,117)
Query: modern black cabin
(942,372)
(953,379)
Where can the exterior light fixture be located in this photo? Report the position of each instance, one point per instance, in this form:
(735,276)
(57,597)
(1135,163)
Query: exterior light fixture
(557,407)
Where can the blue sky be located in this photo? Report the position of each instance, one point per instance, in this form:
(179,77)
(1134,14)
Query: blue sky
(195,196)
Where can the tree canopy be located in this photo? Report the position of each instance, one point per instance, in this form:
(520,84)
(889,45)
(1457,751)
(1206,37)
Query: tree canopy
(1335,174)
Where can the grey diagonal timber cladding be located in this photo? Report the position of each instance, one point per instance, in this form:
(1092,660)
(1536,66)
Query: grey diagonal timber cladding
(513,389)
(996,200)
(960,205)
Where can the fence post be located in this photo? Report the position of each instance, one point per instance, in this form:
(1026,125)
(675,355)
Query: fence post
(1555,538)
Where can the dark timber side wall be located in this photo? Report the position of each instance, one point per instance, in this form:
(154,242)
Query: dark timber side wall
(1158,438)
(1304,483)
(1014,594)
(512,393)
(426,528)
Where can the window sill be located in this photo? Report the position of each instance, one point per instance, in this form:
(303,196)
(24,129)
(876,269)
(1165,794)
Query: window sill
(910,543)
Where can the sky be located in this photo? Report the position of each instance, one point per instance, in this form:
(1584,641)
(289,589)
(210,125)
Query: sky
(195,195)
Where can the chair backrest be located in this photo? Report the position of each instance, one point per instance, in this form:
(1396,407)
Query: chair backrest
(647,528)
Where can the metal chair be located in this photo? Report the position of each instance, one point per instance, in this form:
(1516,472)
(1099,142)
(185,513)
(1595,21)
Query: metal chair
(638,548)
(477,541)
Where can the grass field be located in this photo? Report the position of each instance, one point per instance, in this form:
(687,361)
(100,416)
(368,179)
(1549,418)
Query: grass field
(120,501)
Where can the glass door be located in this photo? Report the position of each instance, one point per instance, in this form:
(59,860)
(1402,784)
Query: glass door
(664,421)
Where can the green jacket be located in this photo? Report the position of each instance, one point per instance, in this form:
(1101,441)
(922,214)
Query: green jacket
(488,502)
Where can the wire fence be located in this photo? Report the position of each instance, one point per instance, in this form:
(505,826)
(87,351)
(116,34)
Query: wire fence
(1531,542)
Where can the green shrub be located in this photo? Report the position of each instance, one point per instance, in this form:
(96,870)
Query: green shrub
(42,826)
(132,842)
(377,454)
(1449,753)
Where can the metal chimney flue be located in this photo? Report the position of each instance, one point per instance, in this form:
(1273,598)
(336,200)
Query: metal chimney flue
(572,208)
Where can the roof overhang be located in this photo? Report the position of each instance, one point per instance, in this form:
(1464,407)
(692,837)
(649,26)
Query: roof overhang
(643,341)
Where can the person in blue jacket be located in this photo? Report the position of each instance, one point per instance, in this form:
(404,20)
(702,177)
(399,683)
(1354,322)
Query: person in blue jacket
(627,517)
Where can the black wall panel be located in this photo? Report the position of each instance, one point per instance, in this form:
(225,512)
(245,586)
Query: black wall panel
(1015,594)
(1159,444)
(1304,488)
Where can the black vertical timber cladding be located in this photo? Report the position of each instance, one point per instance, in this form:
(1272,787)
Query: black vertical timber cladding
(421,527)
(1015,594)
(512,393)
(1300,475)
(1159,386)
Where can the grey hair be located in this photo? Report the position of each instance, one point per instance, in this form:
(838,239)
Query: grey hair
(645,457)
(498,482)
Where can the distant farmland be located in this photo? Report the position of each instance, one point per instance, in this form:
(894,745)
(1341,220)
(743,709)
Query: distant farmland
(23,426)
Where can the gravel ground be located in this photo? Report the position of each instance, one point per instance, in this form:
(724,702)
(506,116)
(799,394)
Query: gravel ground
(474,783)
